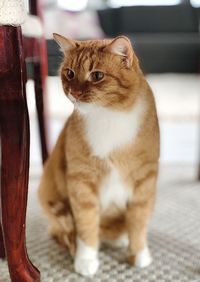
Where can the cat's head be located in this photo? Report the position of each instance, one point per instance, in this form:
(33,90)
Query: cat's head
(101,72)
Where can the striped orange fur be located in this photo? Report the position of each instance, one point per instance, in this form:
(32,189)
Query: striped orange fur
(99,183)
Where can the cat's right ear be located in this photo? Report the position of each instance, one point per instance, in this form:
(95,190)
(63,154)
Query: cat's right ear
(121,45)
(64,43)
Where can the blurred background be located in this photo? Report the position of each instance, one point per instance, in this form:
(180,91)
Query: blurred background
(165,36)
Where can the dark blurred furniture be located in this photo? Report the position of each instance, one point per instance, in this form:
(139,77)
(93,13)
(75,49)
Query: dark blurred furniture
(165,38)
(15,142)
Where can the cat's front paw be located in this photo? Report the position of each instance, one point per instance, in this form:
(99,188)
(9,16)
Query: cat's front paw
(86,266)
(141,259)
(86,259)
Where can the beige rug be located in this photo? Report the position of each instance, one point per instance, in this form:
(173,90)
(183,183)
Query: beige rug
(174,238)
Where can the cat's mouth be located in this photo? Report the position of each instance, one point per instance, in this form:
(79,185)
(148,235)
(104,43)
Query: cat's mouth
(75,95)
(78,97)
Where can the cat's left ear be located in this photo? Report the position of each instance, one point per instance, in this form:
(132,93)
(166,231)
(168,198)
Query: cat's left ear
(64,43)
(121,45)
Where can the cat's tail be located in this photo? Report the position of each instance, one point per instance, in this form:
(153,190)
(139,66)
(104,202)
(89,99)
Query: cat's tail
(58,210)
(62,228)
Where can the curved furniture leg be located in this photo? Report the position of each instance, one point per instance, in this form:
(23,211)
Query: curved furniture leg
(2,249)
(14,130)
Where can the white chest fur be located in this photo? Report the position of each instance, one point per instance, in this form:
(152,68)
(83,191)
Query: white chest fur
(107,130)
(114,191)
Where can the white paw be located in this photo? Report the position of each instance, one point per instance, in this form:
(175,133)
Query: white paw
(86,267)
(86,259)
(143,258)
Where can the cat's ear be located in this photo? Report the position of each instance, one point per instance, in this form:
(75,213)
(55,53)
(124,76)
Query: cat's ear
(121,45)
(64,43)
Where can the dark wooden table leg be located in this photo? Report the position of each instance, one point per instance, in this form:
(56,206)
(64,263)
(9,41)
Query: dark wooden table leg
(198,176)
(14,130)
(198,164)
(2,249)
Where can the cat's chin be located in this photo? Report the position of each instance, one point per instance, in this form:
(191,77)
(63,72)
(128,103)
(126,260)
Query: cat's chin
(82,107)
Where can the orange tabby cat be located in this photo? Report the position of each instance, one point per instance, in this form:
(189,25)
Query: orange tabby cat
(100,180)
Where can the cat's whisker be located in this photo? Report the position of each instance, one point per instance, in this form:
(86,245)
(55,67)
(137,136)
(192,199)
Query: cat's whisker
(72,98)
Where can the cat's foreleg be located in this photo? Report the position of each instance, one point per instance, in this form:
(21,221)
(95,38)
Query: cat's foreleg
(138,215)
(85,207)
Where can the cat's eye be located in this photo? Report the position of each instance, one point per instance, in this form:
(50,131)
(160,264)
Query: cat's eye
(96,76)
(70,74)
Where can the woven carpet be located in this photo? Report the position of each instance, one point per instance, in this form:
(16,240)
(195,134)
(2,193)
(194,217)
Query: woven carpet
(174,238)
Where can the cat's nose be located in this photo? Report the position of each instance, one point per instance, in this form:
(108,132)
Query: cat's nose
(76,94)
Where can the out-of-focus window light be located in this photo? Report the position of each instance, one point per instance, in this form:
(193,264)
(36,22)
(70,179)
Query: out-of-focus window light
(72,5)
(118,3)
(195,3)
(26,5)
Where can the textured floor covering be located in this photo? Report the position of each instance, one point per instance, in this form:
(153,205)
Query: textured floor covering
(174,238)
